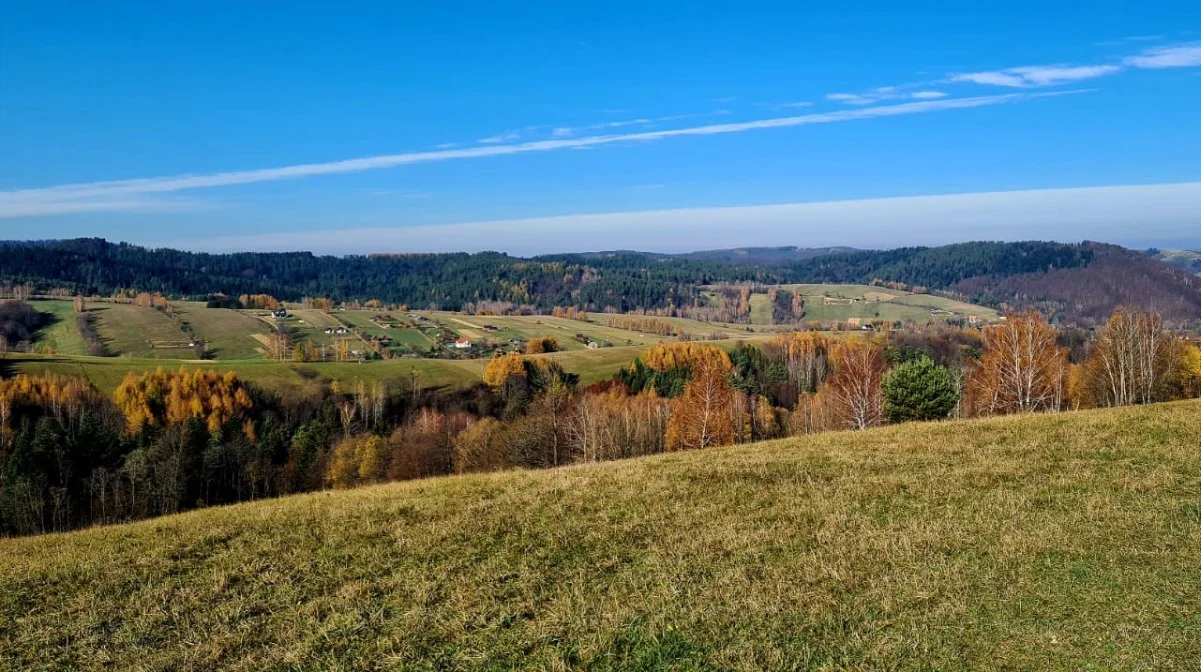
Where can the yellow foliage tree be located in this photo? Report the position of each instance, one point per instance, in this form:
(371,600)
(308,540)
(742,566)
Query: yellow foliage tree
(541,344)
(702,417)
(160,398)
(666,356)
(501,369)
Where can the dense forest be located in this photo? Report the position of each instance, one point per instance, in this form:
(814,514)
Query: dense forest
(1052,276)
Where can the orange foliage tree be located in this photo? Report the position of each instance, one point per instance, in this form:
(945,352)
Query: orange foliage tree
(259,301)
(1023,368)
(667,356)
(541,344)
(854,388)
(63,397)
(160,398)
(704,416)
(503,371)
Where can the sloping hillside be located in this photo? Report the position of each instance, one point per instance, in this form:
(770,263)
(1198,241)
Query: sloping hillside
(1186,260)
(1057,542)
(1114,277)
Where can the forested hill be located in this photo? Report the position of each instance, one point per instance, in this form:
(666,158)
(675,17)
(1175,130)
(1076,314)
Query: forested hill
(1073,282)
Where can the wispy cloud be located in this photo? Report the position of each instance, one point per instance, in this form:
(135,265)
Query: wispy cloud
(1036,75)
(1178,56)
(446,145)
(510,136)
(1033,76)
(1062,214)
(104,195)
(883,93)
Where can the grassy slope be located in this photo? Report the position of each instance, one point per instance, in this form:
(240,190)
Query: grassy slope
(1055,542)
(889,304)
(230,333)
(133,331)
(63,334)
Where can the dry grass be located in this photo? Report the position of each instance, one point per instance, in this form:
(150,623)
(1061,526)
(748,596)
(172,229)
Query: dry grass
(1055,542)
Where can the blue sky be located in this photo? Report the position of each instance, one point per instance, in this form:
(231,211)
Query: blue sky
(539,127)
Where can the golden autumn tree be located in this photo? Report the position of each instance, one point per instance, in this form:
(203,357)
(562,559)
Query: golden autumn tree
(806,358)
(1134,360)
(688,354)
(501,370)
(541,344)
(160,398)
(855,387)
(62,397)
(703,416)
(1023,368)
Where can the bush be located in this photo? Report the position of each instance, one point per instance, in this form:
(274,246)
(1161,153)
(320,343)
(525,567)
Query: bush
(919,390)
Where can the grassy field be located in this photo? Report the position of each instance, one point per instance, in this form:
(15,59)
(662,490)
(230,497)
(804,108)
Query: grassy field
(231,334)
(62,335)
(137,331)
(839,303)
(760,309)
(1054,542)
(107,372)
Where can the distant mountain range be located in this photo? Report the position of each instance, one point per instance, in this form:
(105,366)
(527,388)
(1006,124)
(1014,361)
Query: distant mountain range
(1074,283)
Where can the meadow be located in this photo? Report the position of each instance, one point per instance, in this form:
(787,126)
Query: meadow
(1068,541)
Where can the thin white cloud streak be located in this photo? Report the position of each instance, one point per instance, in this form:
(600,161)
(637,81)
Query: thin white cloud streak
(884,93)
(1035,75)
(1179,56)
(48,200)
(1163,212)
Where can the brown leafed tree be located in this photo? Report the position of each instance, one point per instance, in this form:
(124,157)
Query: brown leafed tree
(701,417)
(1023,368)
(1133,360)
(854,388)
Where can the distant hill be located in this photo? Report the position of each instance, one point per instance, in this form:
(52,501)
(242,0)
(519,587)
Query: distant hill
(1113,276)
(739,256)
(1080,282)
(763,256)
(1185,260)
(1041,542)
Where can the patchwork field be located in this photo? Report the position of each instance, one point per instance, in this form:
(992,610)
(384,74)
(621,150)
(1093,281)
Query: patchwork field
(1064,542)
(839,303)
(231,334)
(137,331)
(842,303)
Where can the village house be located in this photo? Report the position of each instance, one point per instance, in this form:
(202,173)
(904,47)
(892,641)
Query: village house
(462,343)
